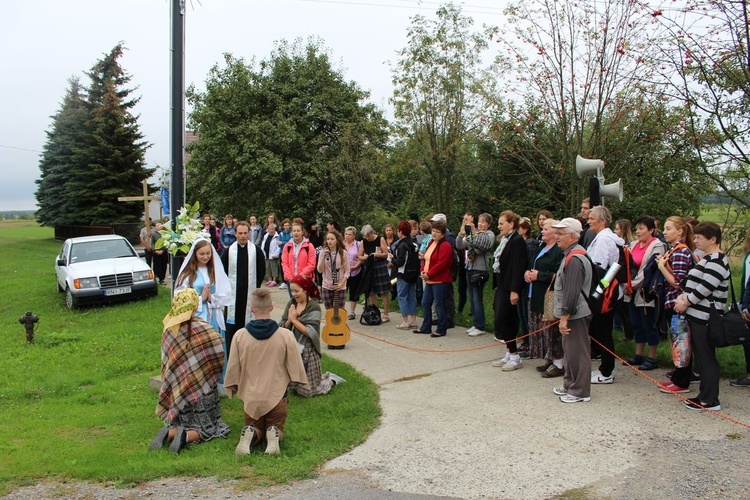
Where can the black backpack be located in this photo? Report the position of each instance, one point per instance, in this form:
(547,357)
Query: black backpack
(412,264)
(456,266)
(371,315)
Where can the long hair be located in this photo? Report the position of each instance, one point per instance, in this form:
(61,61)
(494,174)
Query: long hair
(626,228)
(191,269)
(340,248)
(686,228)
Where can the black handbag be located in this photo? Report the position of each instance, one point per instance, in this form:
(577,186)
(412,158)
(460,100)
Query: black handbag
(729,328)
(478,278)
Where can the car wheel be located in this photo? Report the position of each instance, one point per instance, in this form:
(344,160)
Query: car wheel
(70,300)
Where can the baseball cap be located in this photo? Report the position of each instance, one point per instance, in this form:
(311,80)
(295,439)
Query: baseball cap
(573,225)
(438,217)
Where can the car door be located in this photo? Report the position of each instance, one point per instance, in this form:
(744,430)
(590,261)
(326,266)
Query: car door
(60,271)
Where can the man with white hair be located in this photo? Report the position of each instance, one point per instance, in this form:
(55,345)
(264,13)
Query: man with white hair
(573,279)
(603,252)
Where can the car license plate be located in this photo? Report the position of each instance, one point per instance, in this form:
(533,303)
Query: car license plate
(117,291)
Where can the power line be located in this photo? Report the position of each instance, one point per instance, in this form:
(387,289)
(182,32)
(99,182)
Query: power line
(20,149)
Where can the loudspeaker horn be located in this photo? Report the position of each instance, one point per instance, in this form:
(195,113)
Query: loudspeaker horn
(586,166)
(613,190)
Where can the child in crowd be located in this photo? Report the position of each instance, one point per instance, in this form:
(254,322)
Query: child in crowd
(272,252)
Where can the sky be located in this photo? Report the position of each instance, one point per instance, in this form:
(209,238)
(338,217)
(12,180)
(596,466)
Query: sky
(45,42)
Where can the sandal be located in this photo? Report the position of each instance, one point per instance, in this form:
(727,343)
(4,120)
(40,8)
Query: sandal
(649,364)
(404,326)
(385,319)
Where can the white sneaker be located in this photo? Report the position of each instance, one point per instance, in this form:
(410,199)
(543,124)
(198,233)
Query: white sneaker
(559,390)
(500,362)
(282,286)
(470,330)
(598,378)
(569,398)
(476,333)
(336,378)
(513,364)
(272,438)
(245,446)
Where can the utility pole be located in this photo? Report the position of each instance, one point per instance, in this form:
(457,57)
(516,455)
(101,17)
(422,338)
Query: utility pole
(177,192)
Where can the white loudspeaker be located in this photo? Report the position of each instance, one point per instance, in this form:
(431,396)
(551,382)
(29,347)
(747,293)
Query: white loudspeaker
(586,166)
(613,190)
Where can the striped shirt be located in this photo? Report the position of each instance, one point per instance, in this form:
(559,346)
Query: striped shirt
(706,286)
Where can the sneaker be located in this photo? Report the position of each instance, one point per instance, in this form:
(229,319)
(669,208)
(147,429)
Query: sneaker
(695,378)
(553,372)
(336,378)
(272,283)
(513,364)
(543,368)
(559,390)
(283,286)
(245,446)
(740,382)
(669,387)
(268,283)
(272,437)
(598,378)
(472,329)
(695,404)
(476,333)
(569,398)
(498,363)
(351,316)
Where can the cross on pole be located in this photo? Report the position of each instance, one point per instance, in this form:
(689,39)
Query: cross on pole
(145,199)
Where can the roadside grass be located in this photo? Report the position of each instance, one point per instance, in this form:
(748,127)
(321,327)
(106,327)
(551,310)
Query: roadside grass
(75,404)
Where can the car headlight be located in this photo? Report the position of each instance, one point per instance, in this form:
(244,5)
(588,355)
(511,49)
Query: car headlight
(143,275)
(86,283)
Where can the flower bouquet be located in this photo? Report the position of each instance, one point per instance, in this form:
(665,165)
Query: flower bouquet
(187,229)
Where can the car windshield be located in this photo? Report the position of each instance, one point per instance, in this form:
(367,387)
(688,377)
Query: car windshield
(97,250)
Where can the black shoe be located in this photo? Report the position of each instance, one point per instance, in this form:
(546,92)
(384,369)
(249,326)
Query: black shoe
(553,372)
(179,442)
(437,335)
(635,360)
(543,368)
(420,331)
(159,440)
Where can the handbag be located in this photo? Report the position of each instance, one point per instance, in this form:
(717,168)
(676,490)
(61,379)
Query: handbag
(371,315)
(549,303)
(680,339)
(729,328)
(478,278)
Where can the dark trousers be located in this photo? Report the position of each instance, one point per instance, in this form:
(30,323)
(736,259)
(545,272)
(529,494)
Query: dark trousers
(161,260)
(435,292)
(231,329)
(450,306)
(149,255)
(622,312)
(746,348)
(277,416)
(462,291)
(506,319)
(705,355)
(601,331)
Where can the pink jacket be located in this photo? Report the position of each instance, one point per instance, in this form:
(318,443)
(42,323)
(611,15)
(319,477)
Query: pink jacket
(306,260)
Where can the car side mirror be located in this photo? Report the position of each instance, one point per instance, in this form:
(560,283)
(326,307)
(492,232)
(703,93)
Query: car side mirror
(61,262)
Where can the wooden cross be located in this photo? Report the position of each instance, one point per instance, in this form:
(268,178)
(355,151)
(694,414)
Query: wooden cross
(145,199)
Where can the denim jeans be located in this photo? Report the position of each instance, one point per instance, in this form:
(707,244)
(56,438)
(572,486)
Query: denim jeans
(435,292)
(476,294)
(643,319)
(407,297)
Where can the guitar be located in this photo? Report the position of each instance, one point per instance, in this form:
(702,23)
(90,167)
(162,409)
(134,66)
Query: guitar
(336,331)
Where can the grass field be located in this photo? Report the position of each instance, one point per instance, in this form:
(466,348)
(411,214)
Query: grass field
(76,404)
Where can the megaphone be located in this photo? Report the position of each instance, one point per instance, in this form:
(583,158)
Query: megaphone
(613,190)
(587,166)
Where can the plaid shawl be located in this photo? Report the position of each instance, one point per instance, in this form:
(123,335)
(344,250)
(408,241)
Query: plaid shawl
(192,362)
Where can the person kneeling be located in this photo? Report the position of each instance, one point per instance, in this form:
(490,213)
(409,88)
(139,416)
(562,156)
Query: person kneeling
(263,360)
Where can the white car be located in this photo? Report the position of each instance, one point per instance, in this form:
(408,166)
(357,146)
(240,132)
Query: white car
(104,268)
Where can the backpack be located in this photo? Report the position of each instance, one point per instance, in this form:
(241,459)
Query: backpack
(600,300)
(371,315)
(654,284)
(456,266)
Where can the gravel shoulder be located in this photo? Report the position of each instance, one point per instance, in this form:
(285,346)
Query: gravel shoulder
(455,427)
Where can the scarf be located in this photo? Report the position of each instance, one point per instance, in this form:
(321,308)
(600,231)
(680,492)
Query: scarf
(499,251)
(192,359)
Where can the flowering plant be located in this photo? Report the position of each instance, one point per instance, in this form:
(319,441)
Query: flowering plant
(188,229)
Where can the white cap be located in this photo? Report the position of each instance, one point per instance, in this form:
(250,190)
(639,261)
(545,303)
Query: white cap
(573,225)
(438,217)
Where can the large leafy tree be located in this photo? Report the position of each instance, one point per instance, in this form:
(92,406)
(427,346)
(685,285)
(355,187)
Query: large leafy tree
(63,140)
(95,152)
(288,134)
(438,98)
(704,60)
(576,61)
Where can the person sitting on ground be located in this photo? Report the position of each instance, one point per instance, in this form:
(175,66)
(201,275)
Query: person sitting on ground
(192,354)
(263,361)
(302,316)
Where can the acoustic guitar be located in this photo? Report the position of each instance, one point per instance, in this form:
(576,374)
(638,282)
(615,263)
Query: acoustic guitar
(336,331)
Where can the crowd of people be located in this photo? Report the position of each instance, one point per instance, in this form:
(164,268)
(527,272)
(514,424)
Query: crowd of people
(542,304)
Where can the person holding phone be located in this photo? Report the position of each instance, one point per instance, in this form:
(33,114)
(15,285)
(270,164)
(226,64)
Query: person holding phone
(477,243)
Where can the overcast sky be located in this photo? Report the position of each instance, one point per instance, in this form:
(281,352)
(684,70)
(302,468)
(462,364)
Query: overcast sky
(45,42)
